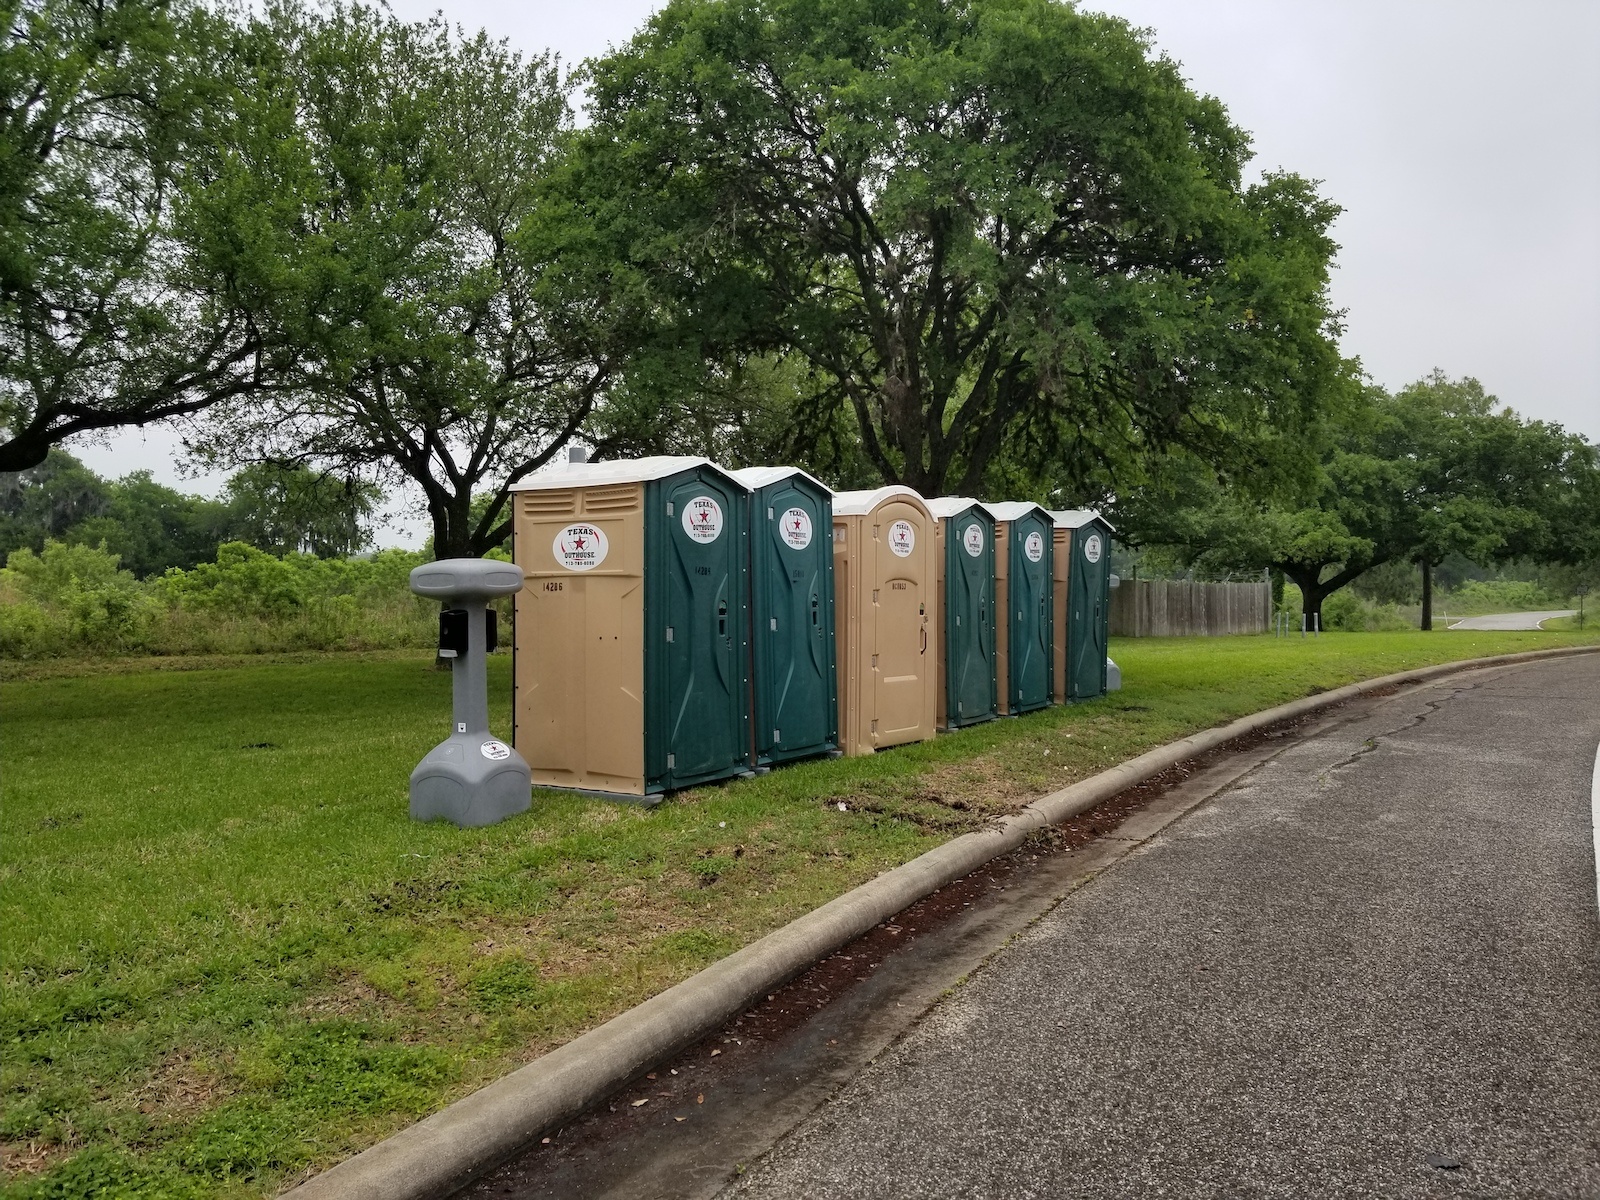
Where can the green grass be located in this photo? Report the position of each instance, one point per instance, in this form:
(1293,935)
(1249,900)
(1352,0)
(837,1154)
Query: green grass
(1570,624)
(229,955)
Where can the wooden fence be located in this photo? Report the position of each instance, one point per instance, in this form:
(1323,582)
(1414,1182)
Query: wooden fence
(1178,608)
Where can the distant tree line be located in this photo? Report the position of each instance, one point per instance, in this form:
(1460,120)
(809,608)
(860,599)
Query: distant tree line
(989,246)
(150,527)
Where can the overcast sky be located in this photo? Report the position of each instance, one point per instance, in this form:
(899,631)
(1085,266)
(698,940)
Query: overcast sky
(1462,138)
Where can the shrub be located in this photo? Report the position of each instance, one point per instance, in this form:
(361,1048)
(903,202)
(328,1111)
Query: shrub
(75,599)
(1503,595)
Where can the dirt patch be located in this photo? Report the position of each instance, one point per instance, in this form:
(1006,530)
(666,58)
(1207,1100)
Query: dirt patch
(180,1087)
(30,1158)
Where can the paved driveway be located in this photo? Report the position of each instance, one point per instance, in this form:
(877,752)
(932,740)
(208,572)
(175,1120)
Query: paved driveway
(1527,620)
(1370,968)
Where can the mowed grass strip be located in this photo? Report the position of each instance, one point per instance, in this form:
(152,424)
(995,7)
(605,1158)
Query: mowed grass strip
(229,956)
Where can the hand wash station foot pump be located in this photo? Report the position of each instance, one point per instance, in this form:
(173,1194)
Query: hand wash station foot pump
(471,778)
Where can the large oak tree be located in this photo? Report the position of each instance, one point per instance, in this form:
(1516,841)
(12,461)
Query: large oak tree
(973,222)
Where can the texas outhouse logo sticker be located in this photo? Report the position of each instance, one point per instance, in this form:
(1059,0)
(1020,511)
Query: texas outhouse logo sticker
(1091,548)
(495,751)
(902,538)
(702,519)
(972,539)
(1033,547)
(580,547)
(795,525)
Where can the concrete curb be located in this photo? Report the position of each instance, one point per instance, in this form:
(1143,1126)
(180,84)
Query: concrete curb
(455,1145)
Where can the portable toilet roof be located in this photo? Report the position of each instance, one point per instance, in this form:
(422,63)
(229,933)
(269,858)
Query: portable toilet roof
(854,504)
(1077,518)
(1010,510)
(626,470)
(760,477)
(953,506)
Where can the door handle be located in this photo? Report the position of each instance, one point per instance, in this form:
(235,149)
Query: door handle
(722,618)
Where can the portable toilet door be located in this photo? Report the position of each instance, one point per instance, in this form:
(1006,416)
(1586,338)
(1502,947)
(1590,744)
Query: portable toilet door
(966,663)
(792,670)
(1060,589)
(886,607)
(1089,603)
(1024,574)
(631,675)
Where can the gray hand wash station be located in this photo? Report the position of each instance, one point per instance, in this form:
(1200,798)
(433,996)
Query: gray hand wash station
(471,778)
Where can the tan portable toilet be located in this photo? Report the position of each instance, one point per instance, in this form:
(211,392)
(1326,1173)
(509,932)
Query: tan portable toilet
(631,669)
(1063,576)
(886,612)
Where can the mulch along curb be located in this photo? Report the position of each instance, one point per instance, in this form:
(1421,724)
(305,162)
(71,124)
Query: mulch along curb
(446,1151)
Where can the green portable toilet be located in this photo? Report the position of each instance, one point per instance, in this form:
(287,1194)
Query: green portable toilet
(967,683)
(631,673)
(1088,607)
(1024,574)
(793,675)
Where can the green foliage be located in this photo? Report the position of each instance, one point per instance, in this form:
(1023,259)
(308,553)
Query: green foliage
(74,599)
(423,278)
(1503,595)
(113,310)
(150,527)
(285,509)
(47,500)
(988,224)
(1430,472)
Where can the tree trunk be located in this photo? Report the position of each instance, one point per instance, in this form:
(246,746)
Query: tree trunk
(452,526)
(1427,593)
(1312,593)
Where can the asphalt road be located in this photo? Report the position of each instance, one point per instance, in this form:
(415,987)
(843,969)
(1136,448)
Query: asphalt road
(1371,967)
(1522,620)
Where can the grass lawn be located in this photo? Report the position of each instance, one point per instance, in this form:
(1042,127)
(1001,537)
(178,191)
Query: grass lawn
(229,954)
(1570,624)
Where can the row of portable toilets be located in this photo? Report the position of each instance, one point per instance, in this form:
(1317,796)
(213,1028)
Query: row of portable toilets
(681,624)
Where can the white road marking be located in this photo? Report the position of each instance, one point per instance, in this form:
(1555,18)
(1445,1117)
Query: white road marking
(1594,820)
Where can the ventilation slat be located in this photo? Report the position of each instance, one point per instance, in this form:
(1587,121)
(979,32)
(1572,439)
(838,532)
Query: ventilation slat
(549,504)
(612,499)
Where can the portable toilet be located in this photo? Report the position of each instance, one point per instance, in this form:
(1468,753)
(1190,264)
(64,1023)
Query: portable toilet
(1061,561)
(965,562)
(1024,543)
(631,669)
(793,674)
(886,606)
(1086,614)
